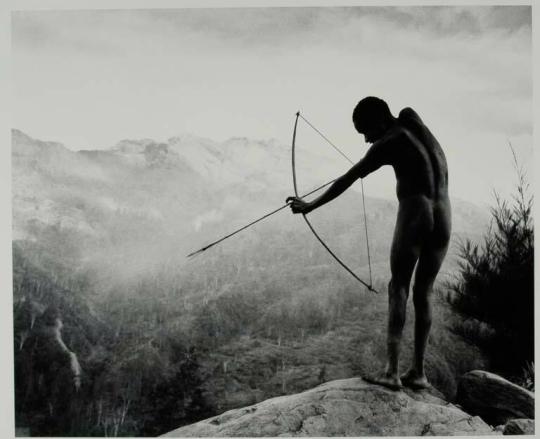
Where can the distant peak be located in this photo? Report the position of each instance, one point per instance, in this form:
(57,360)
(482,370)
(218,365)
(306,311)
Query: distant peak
(242,140)
(15,133)
(20,138)
(133,145)
(189,137)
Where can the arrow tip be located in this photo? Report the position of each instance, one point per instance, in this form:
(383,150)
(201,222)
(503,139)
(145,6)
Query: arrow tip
(194,253)
(373,289)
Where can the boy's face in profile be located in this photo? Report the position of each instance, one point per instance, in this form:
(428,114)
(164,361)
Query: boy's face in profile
(371,133)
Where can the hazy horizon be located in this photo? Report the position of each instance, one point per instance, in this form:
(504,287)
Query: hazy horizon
(91,78)
(329,160)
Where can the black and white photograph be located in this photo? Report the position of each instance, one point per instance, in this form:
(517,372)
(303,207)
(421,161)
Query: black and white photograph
(261,220)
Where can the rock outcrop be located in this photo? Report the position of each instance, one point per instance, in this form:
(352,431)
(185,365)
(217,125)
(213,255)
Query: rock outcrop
(493,398)
(349,407)
(519,426)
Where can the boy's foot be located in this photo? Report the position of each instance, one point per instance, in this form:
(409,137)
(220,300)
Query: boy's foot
(414,380)
(390,381)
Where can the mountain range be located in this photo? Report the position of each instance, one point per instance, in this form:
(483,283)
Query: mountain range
(142,203)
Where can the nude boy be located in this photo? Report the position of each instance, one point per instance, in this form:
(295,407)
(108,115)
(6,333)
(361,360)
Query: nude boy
(423,224)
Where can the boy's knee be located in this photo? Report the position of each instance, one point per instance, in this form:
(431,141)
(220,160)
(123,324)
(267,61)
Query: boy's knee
(398,290)
(422,295)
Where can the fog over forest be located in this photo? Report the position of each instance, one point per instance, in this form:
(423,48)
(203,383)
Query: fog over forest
(103,236)
(143,205)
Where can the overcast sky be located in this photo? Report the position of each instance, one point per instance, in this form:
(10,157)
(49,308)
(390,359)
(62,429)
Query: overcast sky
(91,78)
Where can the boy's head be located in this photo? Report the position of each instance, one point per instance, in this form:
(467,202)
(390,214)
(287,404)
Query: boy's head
(371,117)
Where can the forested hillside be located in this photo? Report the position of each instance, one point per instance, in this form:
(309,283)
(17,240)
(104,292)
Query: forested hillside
(162,340)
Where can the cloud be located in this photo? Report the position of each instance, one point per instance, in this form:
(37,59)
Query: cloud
(65,31)
(91,78)
(448,21)
(98,29)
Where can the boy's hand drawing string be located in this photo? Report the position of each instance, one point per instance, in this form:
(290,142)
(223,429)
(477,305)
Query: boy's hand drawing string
(298,115)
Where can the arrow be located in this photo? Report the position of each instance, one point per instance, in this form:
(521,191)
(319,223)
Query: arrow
(256,221)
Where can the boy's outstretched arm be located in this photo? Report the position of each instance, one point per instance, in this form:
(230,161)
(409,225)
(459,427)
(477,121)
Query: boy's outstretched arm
(373,160)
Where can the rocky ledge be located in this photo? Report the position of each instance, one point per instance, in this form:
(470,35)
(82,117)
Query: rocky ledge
(493,398)
(350,407)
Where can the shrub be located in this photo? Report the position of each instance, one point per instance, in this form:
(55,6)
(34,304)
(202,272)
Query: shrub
(494,292)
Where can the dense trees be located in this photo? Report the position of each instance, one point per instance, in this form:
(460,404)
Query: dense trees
(136,378)
(494,293)
(174,347)
(171,346)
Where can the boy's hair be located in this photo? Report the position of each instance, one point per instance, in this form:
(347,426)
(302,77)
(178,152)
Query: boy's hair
(370,111)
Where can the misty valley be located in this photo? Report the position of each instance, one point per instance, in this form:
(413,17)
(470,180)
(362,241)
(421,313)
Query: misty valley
(101,237)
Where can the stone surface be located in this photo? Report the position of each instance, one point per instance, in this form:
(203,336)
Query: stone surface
(349,407)
(519,426)
(493,398)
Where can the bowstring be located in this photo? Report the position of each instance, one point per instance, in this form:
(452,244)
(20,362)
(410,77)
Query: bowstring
(361,183)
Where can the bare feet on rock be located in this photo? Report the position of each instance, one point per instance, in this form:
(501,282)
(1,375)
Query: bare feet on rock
(415,380)
(384,379)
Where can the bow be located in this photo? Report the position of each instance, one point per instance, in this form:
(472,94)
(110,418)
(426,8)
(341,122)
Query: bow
(340,262)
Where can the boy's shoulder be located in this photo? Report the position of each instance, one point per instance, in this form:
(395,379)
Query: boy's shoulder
(408,114)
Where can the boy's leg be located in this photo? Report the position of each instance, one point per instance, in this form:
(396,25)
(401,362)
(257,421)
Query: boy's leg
(429,264)
(404,254)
